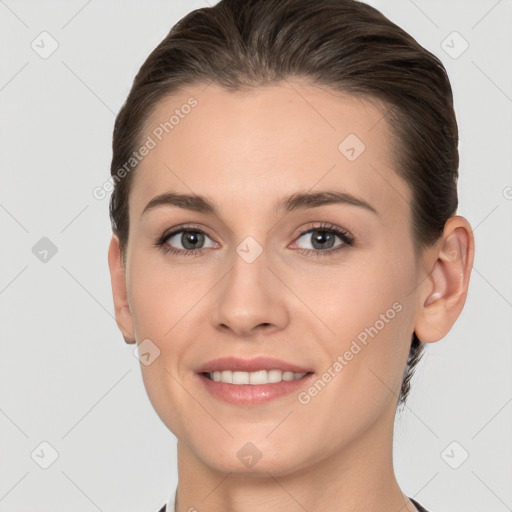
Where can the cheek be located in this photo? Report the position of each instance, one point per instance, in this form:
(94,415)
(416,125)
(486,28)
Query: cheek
(151,308)
(361,379)
(160,296)
(365,311)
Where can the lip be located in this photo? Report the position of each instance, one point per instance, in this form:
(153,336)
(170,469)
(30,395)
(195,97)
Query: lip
(251,365)
(252,394)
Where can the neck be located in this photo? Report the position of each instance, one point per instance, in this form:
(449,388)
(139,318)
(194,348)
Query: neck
(359,477)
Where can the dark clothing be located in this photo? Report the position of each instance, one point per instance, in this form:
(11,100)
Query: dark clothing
(418,506)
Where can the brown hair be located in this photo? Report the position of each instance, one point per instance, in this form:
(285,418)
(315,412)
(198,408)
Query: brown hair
(346,45)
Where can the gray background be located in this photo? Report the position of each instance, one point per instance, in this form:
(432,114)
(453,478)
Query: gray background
(66,376)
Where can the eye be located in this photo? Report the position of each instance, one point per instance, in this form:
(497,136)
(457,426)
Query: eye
(320,240)
(185,241)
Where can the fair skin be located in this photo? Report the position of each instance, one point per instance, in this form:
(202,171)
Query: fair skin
(244,152)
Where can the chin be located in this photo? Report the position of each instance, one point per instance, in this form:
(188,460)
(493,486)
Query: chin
(254,459)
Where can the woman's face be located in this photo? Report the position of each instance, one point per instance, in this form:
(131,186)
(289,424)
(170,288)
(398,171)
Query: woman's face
(281,167)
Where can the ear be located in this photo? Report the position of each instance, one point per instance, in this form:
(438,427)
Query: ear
(445,289)
(118,279)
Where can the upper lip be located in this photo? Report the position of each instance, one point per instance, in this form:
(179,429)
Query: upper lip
(250,365)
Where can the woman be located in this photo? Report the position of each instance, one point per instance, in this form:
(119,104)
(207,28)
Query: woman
(284,245)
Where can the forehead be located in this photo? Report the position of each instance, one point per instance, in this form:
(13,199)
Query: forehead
(267,142)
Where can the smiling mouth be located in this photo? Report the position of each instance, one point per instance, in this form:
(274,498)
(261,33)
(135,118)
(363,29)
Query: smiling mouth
(253,378)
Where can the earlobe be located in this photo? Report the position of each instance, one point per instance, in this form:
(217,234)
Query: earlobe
(447,284)
(118,280)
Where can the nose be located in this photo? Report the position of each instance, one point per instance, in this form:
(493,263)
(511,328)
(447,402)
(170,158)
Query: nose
(250,299)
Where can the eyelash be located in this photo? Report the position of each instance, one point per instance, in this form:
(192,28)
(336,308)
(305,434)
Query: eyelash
(345,237)
(326,227)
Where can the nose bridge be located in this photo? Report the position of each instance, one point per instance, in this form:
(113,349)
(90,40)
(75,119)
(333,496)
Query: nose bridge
(249,297)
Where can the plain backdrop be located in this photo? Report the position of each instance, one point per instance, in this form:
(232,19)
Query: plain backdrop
(71,393)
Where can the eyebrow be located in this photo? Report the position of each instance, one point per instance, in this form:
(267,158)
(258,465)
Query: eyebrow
(296,201)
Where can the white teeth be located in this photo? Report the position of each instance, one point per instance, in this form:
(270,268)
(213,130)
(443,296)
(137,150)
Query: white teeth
(240,378)
(259,377)
(226,376)
(275,375)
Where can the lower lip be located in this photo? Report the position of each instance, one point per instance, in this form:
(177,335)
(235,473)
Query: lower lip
(252,394)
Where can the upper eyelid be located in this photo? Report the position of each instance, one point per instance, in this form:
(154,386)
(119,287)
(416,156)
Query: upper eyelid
(324,226)
(327,226)
(173,231)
